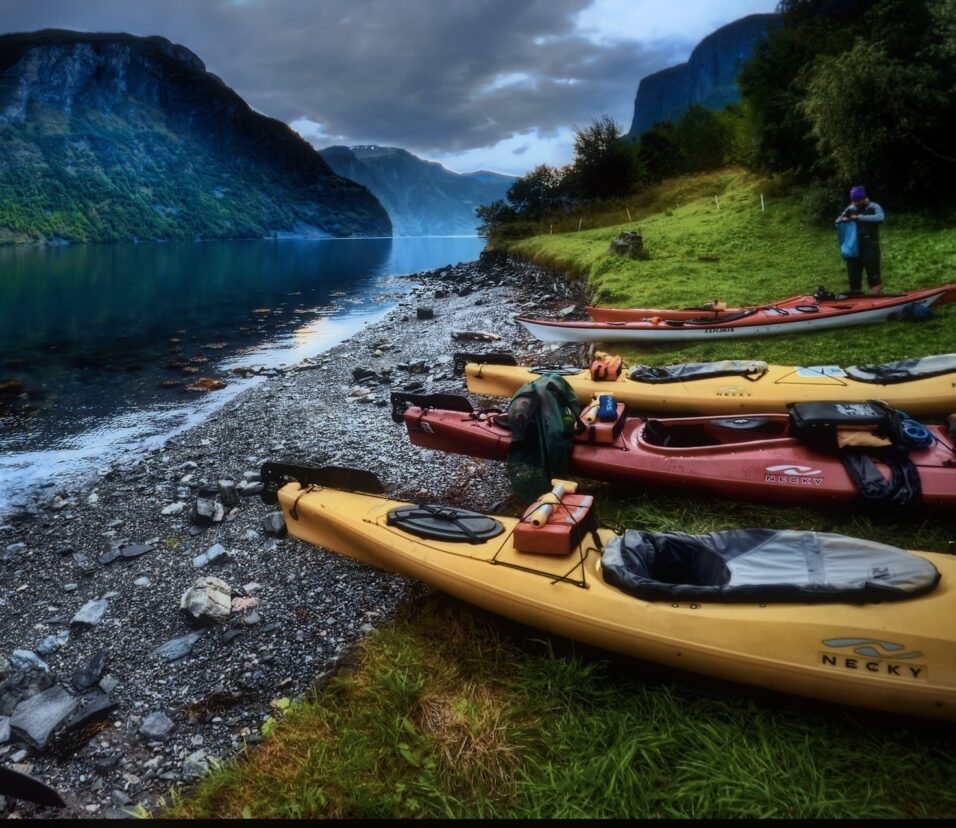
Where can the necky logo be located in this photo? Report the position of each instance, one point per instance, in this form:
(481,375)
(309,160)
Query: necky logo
(870,647)
(873,656)
(794,470)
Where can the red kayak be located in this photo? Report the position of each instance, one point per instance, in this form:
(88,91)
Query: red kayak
(757,457)
(801,314)
(715,310)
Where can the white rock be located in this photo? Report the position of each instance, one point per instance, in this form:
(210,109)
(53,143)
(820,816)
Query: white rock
(208,599)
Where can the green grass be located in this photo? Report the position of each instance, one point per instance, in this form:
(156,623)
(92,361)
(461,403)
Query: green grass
(449,712)
(761,255)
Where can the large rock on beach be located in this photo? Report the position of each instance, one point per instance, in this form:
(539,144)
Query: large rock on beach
(207,601)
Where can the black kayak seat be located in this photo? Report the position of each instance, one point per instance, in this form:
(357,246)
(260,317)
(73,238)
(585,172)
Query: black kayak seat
(740,423)
(445,523)
(698,370)
(904,370)
(763,565)
(688,435)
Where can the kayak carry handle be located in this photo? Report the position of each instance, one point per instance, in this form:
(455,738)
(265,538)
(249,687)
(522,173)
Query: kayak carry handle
(493,358)
(448,402)
(275,475)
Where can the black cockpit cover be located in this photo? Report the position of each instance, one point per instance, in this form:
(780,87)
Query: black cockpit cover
(904,370)
(763,565)
(698,370)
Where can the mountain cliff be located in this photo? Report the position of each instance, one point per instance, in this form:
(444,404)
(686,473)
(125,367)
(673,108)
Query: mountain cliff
(423,198)
(107,137)
(708,78)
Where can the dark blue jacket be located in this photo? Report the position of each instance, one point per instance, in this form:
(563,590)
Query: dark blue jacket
(867,223)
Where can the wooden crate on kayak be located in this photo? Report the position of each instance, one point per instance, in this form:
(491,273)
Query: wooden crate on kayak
(563,531)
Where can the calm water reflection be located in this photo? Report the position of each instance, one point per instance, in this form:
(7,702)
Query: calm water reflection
(93,338)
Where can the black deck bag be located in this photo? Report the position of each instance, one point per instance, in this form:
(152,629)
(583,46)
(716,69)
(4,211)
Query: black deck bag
(750,368)
(816,424)
(904,370)
(763,565)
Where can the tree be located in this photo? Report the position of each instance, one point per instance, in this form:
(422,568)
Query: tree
(605,164)
(860,90)
(538,193)
(772,81)
(658,153)
(885,119)
(705,139)
(492,216)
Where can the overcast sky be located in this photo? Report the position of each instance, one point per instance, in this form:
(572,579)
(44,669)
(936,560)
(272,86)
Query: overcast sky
(474,84)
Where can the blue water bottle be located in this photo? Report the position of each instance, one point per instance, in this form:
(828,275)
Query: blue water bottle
(607,407)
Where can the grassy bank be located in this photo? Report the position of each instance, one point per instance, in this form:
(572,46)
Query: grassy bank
(448,712)
(706,237)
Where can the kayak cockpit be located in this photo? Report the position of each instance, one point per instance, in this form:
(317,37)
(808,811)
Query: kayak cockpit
(763,565)
(702,433)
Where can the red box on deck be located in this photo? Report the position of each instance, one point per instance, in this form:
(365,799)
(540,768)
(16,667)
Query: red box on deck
(602,431)
(564,531)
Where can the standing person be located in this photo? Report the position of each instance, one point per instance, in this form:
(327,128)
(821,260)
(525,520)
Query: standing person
(868,216)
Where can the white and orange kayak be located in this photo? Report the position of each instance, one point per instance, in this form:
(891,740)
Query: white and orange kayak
(716,310)
(796,315)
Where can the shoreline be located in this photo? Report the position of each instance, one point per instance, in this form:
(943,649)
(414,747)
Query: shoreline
(70,394)
(120,542)
(125,445)
(275,238)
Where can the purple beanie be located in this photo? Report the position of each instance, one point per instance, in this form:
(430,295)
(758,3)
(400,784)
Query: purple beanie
(857,194)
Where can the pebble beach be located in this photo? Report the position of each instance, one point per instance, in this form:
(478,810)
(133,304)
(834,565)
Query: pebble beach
(150,613)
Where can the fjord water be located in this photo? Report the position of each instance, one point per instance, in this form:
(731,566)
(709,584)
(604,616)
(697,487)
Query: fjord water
(98,342)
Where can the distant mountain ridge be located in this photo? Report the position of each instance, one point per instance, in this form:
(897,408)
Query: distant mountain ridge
(107,137)
(708,78)
(422,198)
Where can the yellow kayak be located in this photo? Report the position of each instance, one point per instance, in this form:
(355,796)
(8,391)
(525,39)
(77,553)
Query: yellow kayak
(922,387)
(893,655)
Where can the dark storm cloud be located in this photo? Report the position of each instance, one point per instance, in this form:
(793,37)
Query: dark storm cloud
(420,74)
